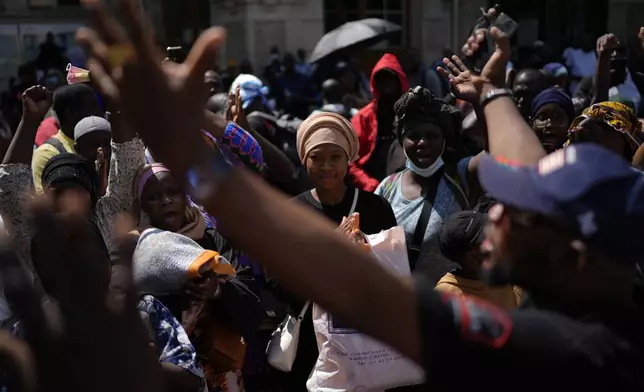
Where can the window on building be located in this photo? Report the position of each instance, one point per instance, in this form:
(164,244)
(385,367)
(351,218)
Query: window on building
(338,12)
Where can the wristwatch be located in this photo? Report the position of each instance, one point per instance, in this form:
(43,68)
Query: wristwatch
(494,94)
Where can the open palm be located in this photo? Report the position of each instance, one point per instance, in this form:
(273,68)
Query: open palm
(465,84)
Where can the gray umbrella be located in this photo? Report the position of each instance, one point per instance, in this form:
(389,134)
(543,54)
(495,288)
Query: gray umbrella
(351,34)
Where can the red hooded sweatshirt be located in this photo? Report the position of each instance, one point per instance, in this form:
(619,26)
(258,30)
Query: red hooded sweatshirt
(365,124)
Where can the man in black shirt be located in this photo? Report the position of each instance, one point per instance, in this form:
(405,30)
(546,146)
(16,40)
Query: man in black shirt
(569,233)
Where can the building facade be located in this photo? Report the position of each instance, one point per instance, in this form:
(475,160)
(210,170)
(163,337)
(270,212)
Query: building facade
(256,25)
(428,25)
(24,25)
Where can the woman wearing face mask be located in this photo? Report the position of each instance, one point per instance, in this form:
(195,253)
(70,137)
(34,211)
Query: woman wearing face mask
(551,114)
(435,184)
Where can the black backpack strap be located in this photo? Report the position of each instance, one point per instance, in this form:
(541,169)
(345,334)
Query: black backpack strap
(57,144)
(430,188)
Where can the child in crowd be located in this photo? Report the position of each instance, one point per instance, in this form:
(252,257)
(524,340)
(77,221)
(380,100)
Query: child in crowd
(460,240)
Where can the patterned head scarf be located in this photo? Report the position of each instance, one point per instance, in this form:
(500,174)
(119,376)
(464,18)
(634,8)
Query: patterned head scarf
(250,87)
(618,116)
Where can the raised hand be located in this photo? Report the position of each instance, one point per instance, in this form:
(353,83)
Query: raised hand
(163,102)
(494,70)
(463,81)
(607,43)
(239,116)
(230,107)
(36,102)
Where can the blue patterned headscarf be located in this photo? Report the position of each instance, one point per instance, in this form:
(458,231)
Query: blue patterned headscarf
(250,87)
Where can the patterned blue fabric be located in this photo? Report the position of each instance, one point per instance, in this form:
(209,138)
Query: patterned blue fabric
(240,147)
(169,336)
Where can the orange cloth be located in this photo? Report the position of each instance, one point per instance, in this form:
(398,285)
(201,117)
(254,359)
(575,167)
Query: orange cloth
(506,297)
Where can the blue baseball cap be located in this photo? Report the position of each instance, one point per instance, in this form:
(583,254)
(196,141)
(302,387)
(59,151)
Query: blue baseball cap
(588,187)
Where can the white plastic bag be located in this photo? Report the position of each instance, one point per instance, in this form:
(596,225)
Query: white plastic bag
(351,361)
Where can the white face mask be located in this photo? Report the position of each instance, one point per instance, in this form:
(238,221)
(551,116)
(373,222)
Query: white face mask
(427,171)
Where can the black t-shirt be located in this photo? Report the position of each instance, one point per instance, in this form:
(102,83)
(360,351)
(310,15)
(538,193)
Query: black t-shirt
(375,212)
(469,344)
(375,215)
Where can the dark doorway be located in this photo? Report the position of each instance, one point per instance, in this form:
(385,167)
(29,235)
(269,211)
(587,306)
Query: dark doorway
(559,23)
(180,16)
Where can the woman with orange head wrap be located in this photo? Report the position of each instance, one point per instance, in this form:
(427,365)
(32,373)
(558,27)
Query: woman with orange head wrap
(326,144)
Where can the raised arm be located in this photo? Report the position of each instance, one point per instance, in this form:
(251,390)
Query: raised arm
(15,172)
(128,155)
(509,136)
(36,102)
(605,46)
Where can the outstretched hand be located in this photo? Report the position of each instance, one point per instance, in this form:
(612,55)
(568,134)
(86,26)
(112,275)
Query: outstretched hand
(163,102)
(466,85)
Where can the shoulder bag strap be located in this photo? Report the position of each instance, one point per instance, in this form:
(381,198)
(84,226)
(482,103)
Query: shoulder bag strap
(430,188)
(355,202)
(303,311)
(57,144)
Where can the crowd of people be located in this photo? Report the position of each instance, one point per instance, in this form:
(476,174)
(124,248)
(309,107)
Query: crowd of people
(155,239)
